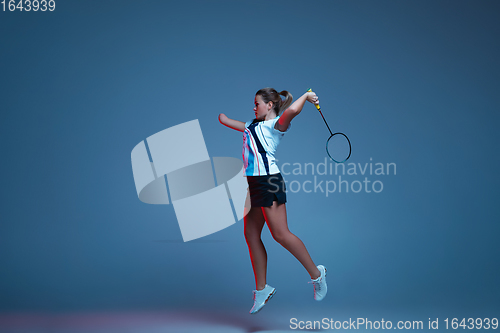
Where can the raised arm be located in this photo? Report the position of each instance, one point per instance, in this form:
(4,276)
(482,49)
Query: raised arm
(231,123)
(294,110)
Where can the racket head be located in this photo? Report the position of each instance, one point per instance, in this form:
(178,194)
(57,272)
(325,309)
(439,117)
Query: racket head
(338,147)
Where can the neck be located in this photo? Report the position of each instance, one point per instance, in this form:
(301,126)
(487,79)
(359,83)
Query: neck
(270,115)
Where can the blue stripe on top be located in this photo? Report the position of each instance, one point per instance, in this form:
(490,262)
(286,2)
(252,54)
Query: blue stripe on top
(251,160)
(263,136)
(261,149)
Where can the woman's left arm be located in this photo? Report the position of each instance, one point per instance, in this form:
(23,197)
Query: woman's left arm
(294,110)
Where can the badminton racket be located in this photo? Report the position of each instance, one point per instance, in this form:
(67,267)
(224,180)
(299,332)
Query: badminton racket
(338,145)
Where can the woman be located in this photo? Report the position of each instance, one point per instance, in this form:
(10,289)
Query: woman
(267,188)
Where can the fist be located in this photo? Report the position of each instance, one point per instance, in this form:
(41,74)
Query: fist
(311,97)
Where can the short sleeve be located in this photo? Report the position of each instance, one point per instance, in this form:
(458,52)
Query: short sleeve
(248,123)
(278,131)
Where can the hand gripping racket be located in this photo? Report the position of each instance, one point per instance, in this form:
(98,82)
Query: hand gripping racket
(338,146)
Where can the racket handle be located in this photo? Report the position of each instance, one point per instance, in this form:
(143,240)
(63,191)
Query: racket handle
(316,105)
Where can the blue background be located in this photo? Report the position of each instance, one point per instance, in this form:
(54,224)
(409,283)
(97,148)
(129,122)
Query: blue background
(411,83)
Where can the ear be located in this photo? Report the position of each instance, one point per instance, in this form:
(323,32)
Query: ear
(269,105)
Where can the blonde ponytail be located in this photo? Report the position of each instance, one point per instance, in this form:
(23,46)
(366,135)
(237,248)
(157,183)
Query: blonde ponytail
(284,104)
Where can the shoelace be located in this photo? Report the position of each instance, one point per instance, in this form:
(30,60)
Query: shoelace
(316,284)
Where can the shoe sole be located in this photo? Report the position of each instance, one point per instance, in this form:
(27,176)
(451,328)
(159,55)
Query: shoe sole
(265,302)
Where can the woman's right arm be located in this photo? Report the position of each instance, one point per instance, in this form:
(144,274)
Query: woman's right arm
(231,123)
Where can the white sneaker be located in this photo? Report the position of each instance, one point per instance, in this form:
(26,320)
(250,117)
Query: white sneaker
(319,284)
(260,298)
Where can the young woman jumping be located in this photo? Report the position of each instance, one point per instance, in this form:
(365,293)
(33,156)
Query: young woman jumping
(267,188)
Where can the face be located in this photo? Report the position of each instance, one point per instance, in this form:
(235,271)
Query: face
(261,109)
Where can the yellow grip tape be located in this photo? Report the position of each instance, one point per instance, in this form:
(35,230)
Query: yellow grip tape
(316,105)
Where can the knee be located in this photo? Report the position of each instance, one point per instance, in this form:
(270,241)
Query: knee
(252,236)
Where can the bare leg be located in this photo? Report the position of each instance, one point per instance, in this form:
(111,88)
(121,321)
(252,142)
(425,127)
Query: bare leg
(277,223)
(254,222)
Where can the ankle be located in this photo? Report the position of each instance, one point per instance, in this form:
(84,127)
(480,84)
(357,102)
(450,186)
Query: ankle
(317,275)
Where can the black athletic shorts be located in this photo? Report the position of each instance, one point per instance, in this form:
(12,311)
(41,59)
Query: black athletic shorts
(266,189)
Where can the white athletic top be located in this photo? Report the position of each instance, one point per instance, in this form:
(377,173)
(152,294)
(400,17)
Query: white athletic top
(260,141)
